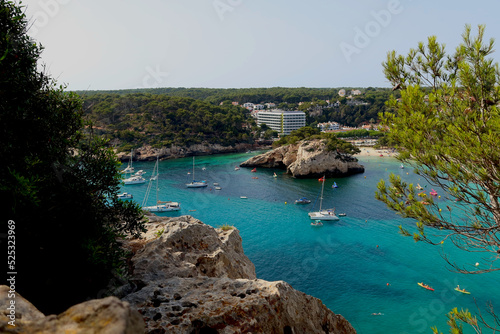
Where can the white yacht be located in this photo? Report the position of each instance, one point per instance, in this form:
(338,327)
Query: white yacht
(134,180)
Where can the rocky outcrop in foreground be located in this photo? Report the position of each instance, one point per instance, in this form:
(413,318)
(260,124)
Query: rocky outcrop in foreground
(187,278)
(307,159)
(192,278)
(104,316)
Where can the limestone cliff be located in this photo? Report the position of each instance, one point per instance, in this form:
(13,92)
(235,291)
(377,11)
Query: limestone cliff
(307,158)
(192,278)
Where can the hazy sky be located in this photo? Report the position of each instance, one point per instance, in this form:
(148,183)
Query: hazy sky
(120,44)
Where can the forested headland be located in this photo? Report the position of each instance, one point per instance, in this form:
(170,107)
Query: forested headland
(163,117)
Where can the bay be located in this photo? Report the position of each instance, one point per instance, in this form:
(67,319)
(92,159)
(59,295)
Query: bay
(360,267)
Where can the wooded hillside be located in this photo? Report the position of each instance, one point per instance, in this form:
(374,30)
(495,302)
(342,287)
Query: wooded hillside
(159,120)
(162,117)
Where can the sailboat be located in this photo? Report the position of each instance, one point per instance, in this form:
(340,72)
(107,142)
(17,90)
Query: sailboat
(129,168)
(196,184)
(323,214)
(161,206)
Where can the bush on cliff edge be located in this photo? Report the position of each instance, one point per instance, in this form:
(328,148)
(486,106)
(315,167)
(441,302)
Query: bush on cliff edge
(58,182)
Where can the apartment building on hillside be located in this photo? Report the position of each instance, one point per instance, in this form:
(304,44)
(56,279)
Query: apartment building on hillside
(282,121)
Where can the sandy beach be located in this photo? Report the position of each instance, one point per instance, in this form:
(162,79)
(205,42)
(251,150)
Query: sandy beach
(367,151)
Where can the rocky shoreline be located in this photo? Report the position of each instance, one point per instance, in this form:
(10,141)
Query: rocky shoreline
(149,153)
(187,277)
(307,159)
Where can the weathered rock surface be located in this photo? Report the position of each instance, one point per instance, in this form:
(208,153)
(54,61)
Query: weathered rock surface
(109,316)
(191,278)
(23,314)
(149,153)
(308,158)
(185,247)
(223,305)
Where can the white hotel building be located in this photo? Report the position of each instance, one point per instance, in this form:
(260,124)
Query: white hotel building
(282,121)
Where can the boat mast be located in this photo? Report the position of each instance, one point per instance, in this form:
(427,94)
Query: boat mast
(157,177)
(321,198)
(193,168)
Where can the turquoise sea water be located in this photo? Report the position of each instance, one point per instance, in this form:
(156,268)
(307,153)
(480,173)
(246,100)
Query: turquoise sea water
(357,266)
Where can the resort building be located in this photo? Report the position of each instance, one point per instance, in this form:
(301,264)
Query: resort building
(329,126)
(282,121)
(248,105)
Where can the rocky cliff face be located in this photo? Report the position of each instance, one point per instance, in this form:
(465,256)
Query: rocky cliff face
(307,158)
(196,279)
(148,153)
(187,278)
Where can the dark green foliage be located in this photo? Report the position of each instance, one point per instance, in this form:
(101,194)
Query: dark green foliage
(242,95)
(310,133)
(162,121)
(58,182)
(313,100)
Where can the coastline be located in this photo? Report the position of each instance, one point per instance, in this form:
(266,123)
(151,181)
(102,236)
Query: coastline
(149,153)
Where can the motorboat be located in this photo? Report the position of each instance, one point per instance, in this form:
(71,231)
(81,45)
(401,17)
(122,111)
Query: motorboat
(134,180)
(302,200)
